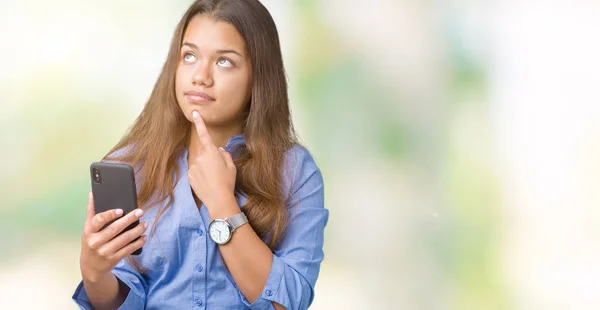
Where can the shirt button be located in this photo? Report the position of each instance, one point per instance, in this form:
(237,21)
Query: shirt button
(160,260)
(269,293)
(199,302)
(199,267)
(199,232)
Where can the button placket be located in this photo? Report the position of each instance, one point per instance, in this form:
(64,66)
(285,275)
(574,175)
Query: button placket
(199,278)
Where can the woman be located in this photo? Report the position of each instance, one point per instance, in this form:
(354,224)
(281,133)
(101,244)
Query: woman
(233,206)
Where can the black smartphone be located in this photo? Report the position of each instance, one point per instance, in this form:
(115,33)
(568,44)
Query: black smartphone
(113,186)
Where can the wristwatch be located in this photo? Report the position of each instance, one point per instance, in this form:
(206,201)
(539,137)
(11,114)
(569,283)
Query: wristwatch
(220,230)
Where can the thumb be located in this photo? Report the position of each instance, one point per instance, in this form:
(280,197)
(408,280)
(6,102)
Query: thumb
(90,211)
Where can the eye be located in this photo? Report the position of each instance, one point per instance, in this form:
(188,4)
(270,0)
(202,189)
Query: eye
(223,62)
(189,57)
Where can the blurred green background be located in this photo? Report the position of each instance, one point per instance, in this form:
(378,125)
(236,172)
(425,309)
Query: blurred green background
(459,142)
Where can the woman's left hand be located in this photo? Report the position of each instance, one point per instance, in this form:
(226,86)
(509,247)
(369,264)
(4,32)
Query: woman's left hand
(212,173)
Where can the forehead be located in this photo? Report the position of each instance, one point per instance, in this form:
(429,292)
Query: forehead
(208,33)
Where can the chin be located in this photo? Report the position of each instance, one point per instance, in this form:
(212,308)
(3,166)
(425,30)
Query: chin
(189,108)
(210,119)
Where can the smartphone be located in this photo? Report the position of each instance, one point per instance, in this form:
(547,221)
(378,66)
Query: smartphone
(113,187)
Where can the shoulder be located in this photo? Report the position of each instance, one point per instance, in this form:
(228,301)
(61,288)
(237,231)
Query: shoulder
(301,170)
(299,156)
(120,155)
(298,160)
(124,155)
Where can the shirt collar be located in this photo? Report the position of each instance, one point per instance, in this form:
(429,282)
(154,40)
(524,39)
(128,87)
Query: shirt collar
(231,145)
(234,141)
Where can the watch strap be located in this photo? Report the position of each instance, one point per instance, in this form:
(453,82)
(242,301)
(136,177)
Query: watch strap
(237,220)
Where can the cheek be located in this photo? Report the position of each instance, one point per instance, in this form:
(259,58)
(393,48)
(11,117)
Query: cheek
(235,90)
(182,82)
(179,81)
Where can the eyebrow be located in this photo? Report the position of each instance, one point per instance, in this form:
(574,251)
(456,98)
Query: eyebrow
(219,51)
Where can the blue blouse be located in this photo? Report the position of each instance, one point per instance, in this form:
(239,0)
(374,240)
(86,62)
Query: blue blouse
(186,270)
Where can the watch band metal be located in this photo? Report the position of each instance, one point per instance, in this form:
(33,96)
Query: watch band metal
(237,220)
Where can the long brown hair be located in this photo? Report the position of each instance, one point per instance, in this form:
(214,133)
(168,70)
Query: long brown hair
(160,134)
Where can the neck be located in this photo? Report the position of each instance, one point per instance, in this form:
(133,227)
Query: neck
(219,136)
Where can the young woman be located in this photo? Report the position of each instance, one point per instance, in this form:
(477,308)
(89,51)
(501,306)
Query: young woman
(233,207)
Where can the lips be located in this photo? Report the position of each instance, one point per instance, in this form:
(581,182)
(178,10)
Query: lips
(197,97)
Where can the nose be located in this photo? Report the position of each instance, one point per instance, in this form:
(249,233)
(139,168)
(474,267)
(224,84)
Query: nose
(203,75)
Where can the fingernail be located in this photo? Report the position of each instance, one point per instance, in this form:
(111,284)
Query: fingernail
(221,149)
(90,195)
(145,225)
(195,114)
(118,211)
(139,212)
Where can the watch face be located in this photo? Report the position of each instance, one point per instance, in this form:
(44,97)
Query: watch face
(219,231)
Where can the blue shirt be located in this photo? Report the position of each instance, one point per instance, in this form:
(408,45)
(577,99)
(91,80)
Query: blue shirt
(185,268)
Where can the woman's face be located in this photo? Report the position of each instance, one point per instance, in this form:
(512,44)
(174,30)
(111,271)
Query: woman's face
(214,72)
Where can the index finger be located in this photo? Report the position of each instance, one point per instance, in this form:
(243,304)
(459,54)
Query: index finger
(201,130)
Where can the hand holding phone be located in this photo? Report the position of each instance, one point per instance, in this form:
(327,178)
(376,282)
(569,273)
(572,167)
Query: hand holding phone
(112,229)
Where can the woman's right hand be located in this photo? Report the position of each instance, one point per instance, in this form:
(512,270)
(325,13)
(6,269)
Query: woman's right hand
(101,251)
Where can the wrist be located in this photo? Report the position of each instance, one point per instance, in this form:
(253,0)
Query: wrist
(95,278)
(223,208)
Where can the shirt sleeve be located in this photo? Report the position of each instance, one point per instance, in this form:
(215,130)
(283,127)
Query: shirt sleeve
(136,299)
(297,259)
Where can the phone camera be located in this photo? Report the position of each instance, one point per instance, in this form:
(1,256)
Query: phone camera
(96,175)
